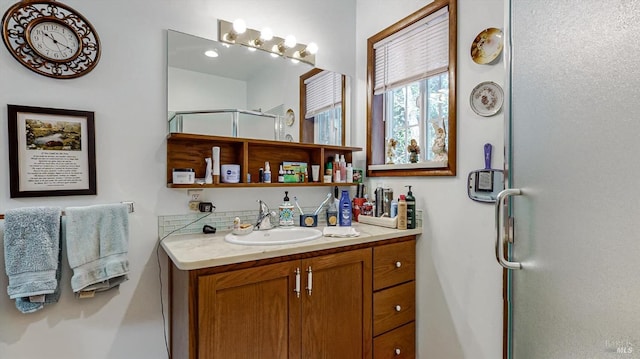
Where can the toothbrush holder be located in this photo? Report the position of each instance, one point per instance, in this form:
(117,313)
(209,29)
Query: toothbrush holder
(308,220)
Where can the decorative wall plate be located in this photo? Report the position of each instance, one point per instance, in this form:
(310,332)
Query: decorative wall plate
(289,118)
(486,99)
(487,46)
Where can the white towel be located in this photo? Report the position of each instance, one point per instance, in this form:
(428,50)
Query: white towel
(97,239)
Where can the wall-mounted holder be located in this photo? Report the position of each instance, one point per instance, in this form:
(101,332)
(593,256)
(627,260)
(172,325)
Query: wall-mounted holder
(485,184)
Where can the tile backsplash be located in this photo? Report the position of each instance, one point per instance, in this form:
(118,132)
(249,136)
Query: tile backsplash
(193,222)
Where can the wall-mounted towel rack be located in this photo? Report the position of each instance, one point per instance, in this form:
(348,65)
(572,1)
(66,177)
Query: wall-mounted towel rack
(129,205)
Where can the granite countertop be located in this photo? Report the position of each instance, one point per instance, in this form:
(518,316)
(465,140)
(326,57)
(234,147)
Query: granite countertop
(196,251)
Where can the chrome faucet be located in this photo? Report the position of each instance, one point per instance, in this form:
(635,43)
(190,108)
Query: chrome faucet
(264,217)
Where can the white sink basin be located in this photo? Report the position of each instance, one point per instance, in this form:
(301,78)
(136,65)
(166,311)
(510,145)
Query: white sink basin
(280,235)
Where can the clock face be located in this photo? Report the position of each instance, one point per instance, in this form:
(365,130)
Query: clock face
(53,40)
(50,38)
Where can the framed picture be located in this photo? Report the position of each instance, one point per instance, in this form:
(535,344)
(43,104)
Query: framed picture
(51,152)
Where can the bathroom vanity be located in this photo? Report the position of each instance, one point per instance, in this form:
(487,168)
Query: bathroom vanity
(326,298)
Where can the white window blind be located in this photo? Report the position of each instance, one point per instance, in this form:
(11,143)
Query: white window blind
(324,91)
(416,52)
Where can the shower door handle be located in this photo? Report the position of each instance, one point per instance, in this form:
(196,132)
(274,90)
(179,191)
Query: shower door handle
(502,196)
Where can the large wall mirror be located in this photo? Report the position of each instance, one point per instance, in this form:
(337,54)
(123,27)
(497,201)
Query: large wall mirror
(237,92)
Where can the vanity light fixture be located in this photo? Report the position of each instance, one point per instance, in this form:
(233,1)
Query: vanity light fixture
(237,33)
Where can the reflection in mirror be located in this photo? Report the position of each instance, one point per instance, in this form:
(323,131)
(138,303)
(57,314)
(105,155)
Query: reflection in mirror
(239,93)
(322,97)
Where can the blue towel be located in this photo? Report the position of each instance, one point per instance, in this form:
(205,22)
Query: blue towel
(97,241)
(32,256)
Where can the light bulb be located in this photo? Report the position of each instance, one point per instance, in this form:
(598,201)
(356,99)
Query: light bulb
(312,48)
(239,26)
(266,34)
(290,41)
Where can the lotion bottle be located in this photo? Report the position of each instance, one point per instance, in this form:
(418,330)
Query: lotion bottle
(402,212)
(345,209)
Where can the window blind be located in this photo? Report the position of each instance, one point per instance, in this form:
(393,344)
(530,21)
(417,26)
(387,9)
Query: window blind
(324,91)
(417,52)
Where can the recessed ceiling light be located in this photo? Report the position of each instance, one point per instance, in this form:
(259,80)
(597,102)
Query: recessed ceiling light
(211,53)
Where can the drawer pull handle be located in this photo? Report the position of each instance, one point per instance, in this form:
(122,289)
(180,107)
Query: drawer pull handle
(398,308)
(398,264)
(397,351)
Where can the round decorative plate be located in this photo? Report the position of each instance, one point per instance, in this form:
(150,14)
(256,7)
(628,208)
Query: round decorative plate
(486,99)
(289,117)
(487,46)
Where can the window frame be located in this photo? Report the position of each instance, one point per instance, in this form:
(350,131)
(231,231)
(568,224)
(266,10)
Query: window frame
(307,128)
(376,142)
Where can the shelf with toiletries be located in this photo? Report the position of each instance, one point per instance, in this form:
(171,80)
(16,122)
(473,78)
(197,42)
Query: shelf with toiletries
(189,151)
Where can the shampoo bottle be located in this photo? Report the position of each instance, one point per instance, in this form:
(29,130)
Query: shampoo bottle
(411,210)
(402,212)
(286,211)
(345,209)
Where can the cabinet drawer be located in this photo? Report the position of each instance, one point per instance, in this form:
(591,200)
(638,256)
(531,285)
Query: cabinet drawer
(393,264)
(394,307)
(396,344)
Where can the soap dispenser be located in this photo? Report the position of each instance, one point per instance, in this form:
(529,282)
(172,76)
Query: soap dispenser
(286,211)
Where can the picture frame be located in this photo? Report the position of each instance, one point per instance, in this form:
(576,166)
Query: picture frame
(51,152)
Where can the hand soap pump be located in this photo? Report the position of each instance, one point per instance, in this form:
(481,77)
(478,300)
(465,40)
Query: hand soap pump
(286,211)
(411,210)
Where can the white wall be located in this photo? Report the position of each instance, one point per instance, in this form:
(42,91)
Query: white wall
(459,284)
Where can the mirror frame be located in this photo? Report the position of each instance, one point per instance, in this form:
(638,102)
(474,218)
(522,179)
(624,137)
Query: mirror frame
(375,124)
(307,130)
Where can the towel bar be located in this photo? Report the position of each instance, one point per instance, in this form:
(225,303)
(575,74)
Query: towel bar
(129,204)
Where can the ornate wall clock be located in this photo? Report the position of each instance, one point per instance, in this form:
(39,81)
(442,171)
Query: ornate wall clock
(51,38)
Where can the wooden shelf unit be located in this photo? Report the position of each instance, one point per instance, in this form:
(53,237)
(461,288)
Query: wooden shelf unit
(189,151)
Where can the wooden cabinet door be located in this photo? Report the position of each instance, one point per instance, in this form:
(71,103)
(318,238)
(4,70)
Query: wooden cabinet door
(336,319)
(249,313)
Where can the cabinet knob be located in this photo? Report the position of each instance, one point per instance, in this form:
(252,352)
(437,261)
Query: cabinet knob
(397,351)
(398,308)
(398,264)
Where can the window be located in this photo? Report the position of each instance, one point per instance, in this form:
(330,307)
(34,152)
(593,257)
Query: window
(411,76)
(322,94)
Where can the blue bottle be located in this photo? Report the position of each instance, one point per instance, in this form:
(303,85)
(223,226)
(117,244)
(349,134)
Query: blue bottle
(345,209)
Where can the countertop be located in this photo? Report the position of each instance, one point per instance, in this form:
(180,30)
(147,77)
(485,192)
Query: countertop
(196,251)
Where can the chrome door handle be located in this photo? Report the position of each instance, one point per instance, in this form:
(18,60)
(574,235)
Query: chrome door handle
(499,237)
